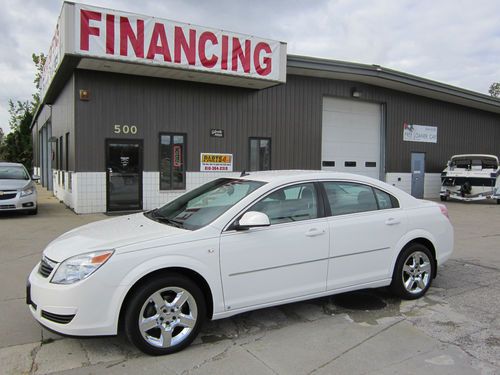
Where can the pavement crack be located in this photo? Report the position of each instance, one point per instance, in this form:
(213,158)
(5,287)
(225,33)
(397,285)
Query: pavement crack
(389,365)
(86,353)
(355,346)
(214,358)
(13,299)
(33,354)
(261,361)
(477,265)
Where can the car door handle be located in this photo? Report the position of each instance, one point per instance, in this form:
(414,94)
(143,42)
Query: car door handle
(392,221)
(313,232)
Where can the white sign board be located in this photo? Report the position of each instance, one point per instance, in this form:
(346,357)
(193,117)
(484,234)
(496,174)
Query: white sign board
(95,32)
(113,34)
(419,133)
(210,162)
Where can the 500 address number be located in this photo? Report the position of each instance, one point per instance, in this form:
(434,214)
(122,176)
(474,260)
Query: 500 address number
(125,129)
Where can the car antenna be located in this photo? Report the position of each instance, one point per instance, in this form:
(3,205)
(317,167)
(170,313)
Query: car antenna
(244,173)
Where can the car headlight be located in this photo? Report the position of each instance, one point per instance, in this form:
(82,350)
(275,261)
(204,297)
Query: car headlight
(80,267)
(28,191)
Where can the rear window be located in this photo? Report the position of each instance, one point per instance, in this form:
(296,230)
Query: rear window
(349,197)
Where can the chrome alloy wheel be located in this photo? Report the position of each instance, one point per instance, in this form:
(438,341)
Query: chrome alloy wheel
(167,317)
(416,272)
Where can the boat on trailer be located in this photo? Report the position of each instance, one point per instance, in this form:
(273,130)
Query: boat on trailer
(471,177)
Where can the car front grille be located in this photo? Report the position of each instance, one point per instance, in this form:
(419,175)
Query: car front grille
(7,206)
(46,267)
(57,318)
(7,195)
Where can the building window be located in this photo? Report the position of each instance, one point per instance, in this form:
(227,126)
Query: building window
(172,161)
(55,154)
(260,154)
(66,151)
(61,153)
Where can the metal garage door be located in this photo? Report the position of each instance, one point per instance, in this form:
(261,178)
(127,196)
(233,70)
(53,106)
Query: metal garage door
(351,137)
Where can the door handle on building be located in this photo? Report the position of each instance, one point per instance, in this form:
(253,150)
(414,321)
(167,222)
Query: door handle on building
(392,221)
(313,232)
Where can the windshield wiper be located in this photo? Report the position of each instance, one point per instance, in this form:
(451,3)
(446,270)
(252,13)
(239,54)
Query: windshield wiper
(154,214)
(173,222)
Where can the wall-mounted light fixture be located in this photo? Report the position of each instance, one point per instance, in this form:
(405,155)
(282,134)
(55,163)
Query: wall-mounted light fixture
(84,95)
(356,93)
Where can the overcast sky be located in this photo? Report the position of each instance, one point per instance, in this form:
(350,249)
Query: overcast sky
(452,41)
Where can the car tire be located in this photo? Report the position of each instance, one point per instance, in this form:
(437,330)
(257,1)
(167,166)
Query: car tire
(413,273)
(153,315)
(33,212)
(443,198)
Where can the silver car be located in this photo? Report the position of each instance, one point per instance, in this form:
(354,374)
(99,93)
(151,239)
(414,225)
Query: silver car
(17,189)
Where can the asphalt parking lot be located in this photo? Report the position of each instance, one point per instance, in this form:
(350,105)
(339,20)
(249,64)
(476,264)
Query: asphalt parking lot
(454,329)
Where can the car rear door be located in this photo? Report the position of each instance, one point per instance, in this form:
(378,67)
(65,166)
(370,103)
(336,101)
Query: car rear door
(288,259)
(365,225)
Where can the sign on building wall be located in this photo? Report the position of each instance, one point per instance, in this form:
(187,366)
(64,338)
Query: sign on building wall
(105,33)
(419,133)
(216,162)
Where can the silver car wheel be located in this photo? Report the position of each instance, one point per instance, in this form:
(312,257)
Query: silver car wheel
(416,272)
(167,317)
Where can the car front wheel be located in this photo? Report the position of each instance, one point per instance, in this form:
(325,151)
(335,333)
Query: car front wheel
(165,315)
(413,273)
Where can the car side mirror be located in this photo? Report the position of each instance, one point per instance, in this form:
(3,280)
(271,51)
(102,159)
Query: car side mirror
(252,219)
(35,177)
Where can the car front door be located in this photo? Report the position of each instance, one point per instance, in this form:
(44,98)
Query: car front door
(285,260)
(365,225)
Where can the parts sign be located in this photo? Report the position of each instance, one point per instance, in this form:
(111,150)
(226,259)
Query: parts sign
(216,162)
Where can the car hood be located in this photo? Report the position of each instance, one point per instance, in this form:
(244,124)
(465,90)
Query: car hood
(13,184)
(112,233)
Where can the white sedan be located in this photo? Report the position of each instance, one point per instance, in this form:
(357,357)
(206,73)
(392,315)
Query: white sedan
(234,245)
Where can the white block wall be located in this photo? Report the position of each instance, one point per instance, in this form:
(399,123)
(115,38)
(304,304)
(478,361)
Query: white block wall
(432,183)
(62,191)
(154,197)
(89,190)
(88,193)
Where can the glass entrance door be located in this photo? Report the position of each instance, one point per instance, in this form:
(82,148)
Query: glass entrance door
(124,175)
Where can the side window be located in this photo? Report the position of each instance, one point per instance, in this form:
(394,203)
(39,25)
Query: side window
(260,154)
(347,198)
(289,204)
(385,200)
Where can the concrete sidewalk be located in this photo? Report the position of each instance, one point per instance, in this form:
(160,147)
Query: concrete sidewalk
(454,329)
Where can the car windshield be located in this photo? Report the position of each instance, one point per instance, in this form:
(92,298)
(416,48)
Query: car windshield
(13,172)
(468,163)
(204,204)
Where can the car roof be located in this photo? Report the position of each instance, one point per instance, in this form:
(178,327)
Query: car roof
(284,176)
(8,164)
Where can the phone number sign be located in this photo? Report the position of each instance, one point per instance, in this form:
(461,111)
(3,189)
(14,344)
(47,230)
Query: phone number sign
(216,162)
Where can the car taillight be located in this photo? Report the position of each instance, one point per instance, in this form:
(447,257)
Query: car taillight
(444,210)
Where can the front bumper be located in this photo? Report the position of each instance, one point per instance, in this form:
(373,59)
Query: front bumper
(86,308)
(19,203)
